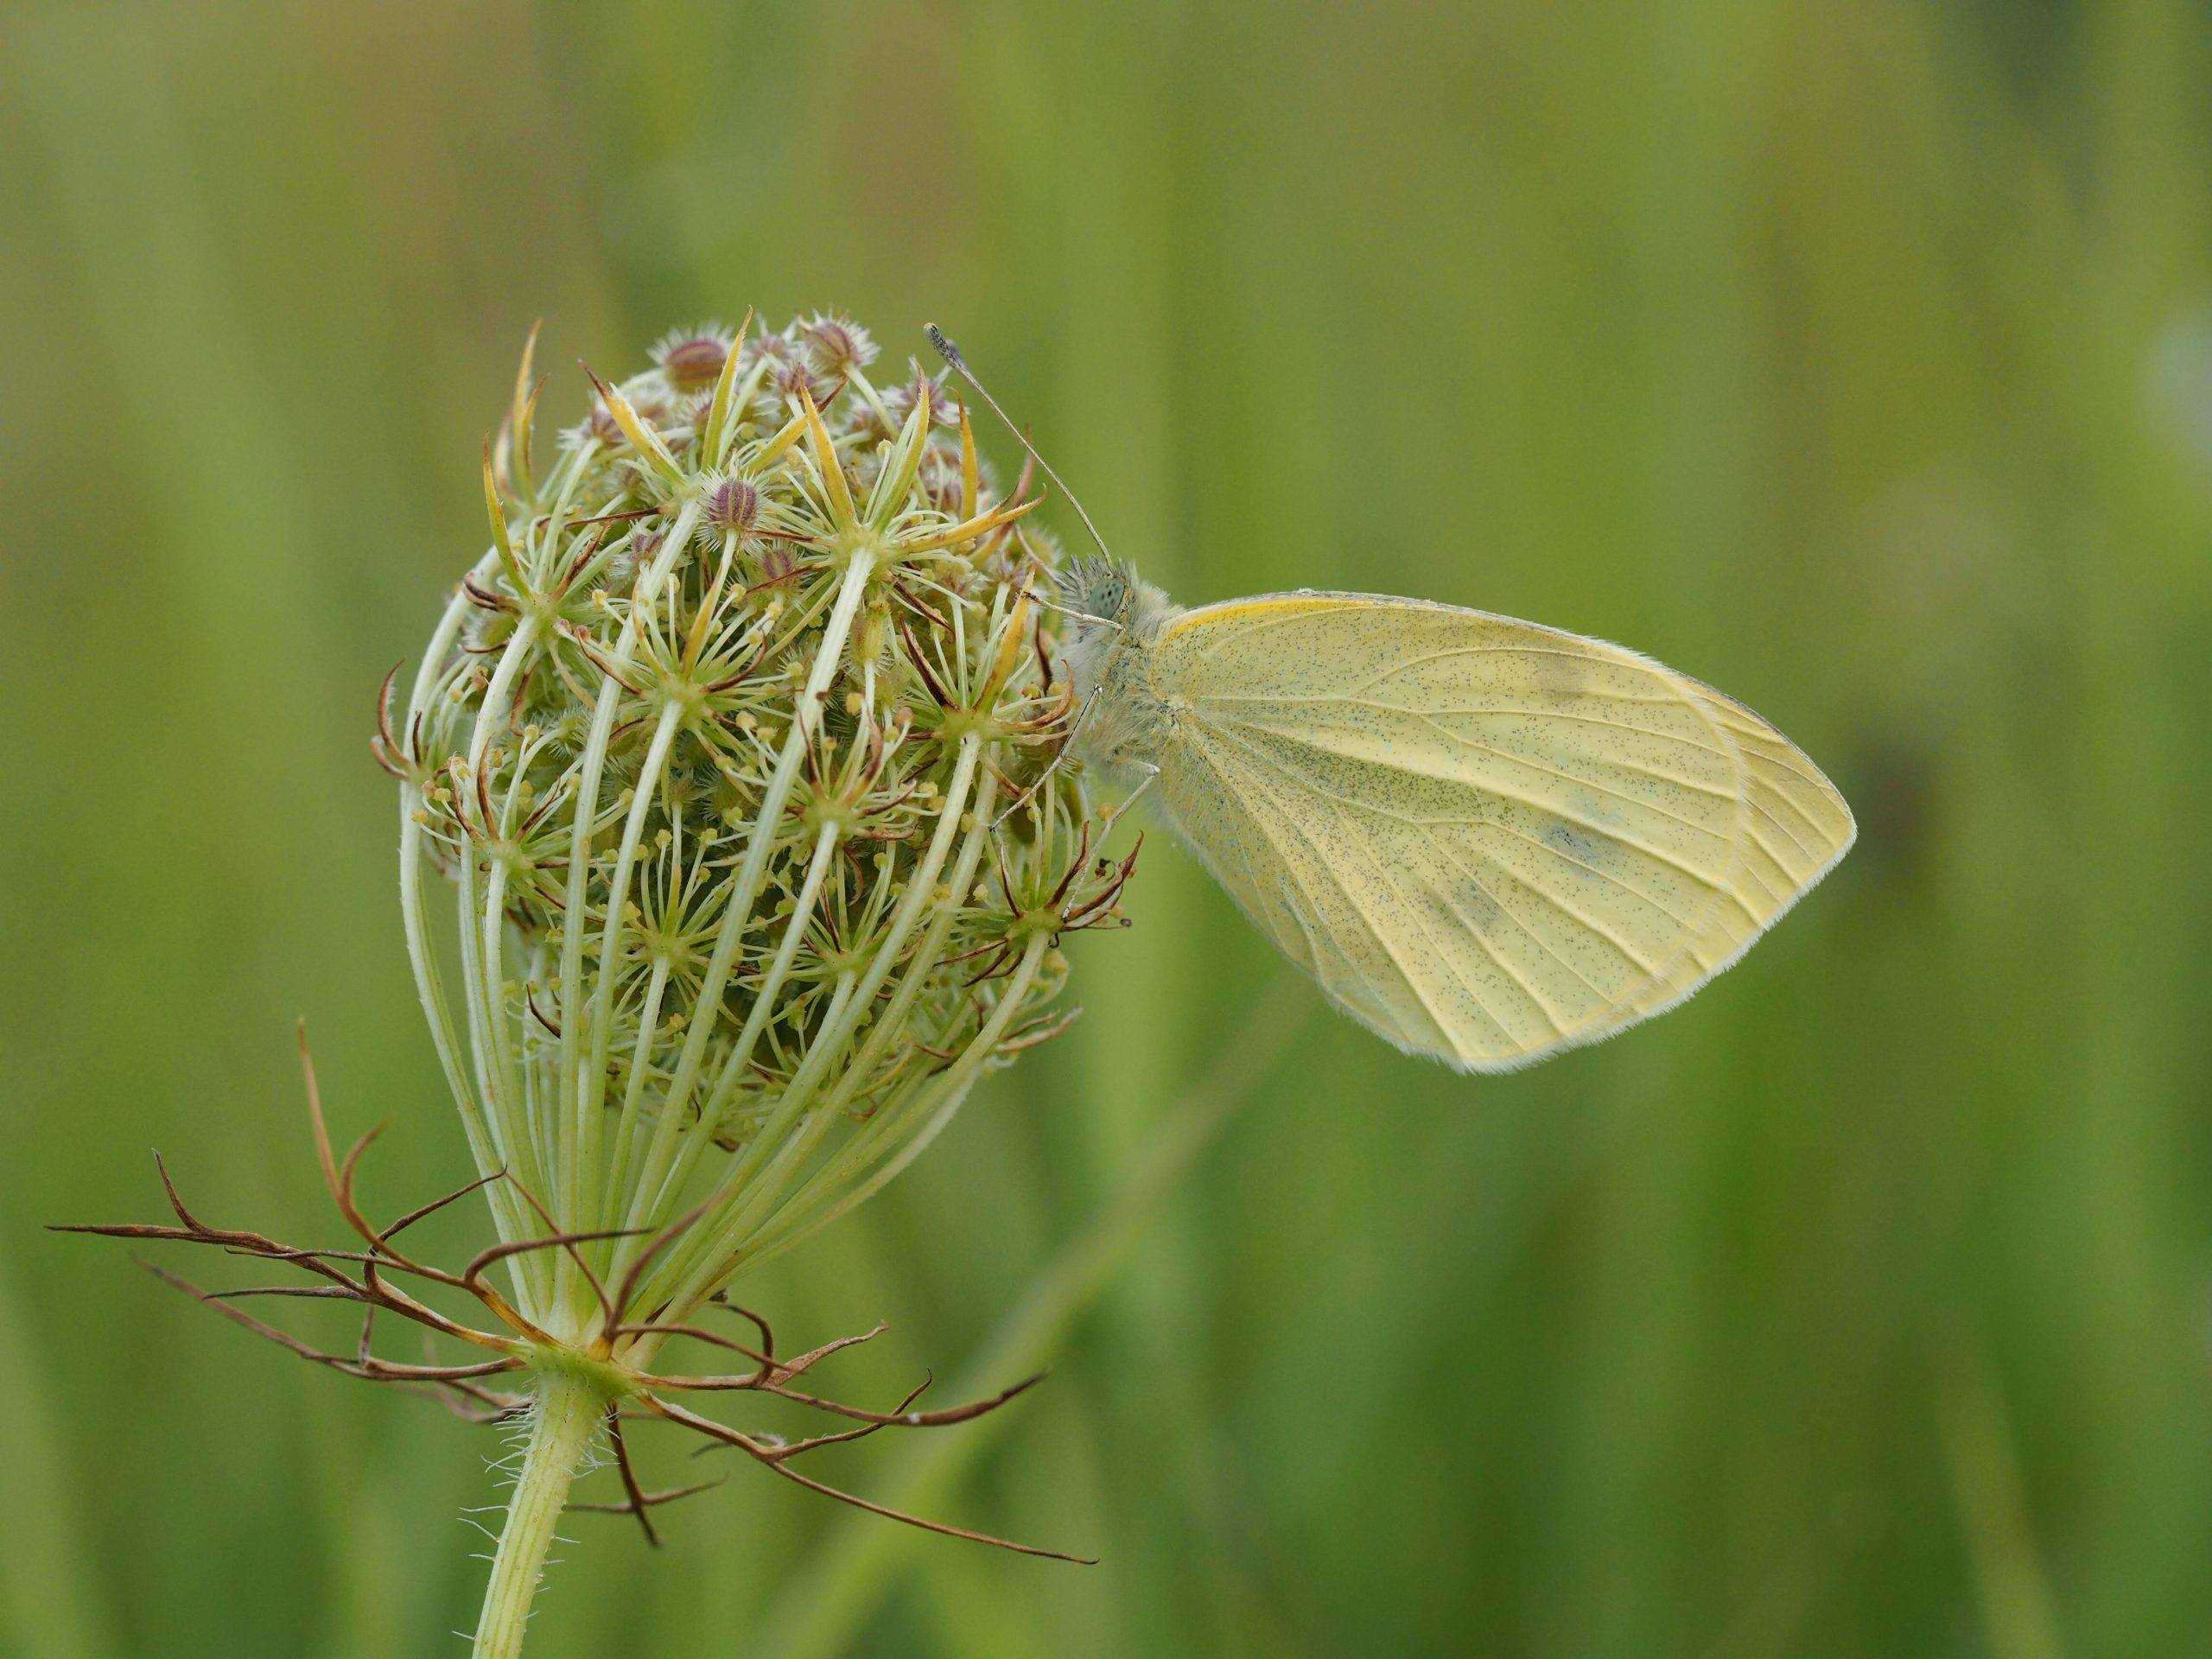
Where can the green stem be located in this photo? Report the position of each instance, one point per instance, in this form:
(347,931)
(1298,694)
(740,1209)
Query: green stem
(568,1408)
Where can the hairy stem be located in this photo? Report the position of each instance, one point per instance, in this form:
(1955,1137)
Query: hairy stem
(568,1410)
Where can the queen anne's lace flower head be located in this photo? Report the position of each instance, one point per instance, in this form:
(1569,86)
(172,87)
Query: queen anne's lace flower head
(722,746)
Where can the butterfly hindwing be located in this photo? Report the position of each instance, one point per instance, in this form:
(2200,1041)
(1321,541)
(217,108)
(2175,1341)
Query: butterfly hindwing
(1484,839)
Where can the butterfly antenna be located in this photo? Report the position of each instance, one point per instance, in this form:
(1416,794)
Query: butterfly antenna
(951,354)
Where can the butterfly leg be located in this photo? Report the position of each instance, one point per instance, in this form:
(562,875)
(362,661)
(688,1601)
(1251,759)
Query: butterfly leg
(1151,777)
(1066,743)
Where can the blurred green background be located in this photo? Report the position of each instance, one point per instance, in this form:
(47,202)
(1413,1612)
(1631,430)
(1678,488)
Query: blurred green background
(1856,358)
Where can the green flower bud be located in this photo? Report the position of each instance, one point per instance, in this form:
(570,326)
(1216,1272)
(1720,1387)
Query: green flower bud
(714,747)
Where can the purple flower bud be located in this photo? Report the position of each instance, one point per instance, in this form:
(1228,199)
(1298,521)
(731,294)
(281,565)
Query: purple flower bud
(691,359)
(732,506)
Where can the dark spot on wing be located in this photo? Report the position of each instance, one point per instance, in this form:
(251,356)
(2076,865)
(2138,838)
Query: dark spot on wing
(1483,912)
(1577,844)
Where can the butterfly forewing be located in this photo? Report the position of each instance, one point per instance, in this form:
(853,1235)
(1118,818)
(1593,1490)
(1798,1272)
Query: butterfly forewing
(1485,839)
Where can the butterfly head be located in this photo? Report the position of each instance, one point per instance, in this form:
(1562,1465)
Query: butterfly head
(1109,606)
(1101,591)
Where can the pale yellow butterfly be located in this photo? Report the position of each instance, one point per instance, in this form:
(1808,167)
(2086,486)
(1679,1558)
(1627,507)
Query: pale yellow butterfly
(1487,841)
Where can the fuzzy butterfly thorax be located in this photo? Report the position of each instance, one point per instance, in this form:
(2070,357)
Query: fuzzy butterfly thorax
(1118,617)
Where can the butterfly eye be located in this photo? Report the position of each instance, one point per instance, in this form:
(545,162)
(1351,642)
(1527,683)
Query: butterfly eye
(1097,589)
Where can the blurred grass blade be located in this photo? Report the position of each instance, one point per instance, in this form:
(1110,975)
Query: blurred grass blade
(47,1607)
(1986,1484)
(857,1565)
